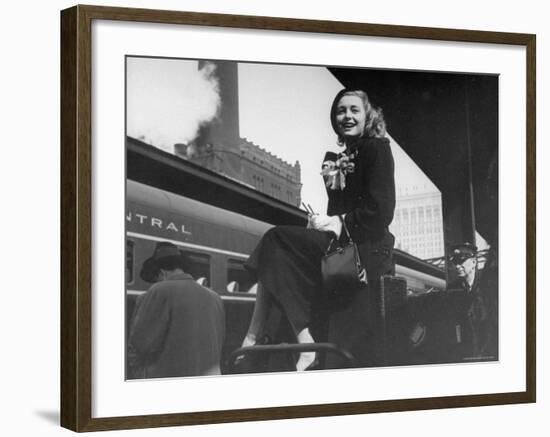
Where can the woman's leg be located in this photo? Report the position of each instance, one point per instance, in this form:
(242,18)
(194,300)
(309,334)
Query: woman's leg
(262,307)
(287,263)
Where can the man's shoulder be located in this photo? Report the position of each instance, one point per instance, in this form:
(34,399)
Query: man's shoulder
(205,290)
(185,285)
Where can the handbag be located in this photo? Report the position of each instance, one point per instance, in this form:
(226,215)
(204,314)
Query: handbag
(341,269)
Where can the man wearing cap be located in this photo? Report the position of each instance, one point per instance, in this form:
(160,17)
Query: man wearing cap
(472,318)
(179,325)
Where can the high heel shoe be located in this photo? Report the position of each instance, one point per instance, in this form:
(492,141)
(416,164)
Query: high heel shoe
(314,365)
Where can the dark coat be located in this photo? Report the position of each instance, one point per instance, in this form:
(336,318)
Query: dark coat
(178,330)
(368,202)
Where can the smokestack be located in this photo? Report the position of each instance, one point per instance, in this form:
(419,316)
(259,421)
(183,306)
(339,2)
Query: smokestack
(217,143)
(223,130)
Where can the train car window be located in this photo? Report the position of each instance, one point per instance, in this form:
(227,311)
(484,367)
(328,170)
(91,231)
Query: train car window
(198,265)
(232,287)
(237,277)
(129,261)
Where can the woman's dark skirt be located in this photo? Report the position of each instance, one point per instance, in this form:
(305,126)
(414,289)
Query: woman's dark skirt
(287,262)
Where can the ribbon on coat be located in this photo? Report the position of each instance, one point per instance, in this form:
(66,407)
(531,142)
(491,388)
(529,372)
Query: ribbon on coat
(334,172)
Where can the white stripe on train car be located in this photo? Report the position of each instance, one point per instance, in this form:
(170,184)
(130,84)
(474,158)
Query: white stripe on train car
(189,245)
(242,298)
(223,296)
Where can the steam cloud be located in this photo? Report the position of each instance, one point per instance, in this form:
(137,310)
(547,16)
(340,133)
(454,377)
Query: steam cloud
(168,100)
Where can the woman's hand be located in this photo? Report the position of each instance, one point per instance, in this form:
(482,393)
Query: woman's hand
(325,223)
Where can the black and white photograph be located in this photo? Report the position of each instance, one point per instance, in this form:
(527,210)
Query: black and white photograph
(275,218)
(308,218)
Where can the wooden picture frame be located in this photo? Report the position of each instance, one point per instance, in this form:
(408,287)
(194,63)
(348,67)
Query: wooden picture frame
(76,217)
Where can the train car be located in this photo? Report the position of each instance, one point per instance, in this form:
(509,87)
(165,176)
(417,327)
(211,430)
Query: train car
(218,243)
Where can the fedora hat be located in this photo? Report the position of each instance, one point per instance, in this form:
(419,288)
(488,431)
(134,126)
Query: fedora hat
(163,251)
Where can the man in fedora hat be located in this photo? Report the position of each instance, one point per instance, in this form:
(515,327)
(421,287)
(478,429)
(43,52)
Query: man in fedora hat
(179,325)
(472,331)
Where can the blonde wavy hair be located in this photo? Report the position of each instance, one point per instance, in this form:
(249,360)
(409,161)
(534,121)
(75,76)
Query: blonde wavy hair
(375,125)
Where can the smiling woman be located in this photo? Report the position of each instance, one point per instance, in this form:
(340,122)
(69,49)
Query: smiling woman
(353,114)
(350,116)
(361,197)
